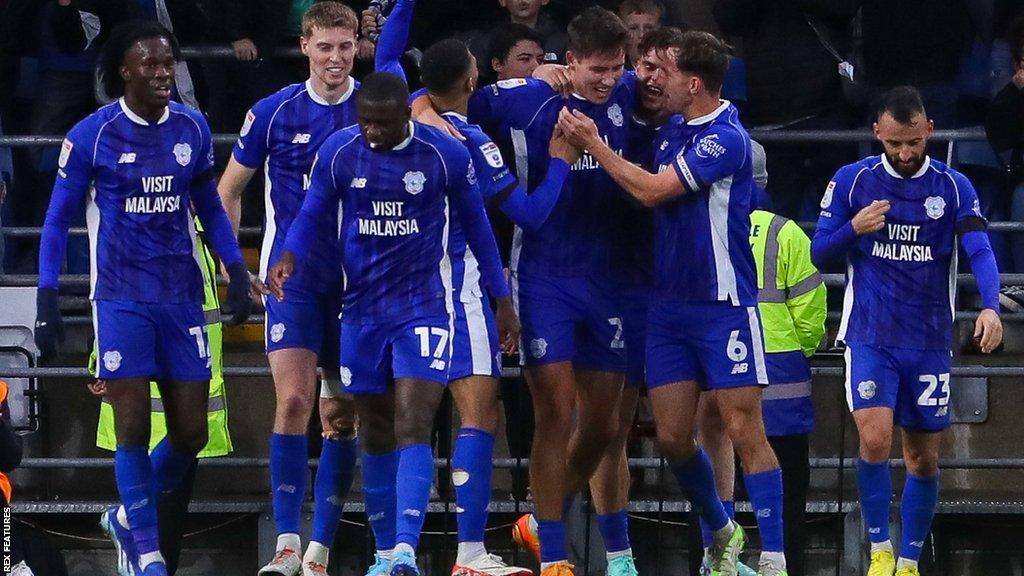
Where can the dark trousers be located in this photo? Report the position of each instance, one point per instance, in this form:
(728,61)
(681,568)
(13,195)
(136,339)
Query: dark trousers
(792,452)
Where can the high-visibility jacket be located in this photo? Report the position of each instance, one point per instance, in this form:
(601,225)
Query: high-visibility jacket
(791,299)
(219,443)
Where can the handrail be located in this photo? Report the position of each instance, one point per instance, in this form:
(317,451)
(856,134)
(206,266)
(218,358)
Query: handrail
(762,136)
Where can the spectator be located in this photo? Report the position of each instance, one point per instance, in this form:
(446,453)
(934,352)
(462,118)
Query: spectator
(29,552)
(516,51)
(528,13)
(792,83)
(929,37)
(640,17)
(1004,128)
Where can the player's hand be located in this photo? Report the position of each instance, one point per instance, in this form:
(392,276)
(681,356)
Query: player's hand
(279,274)
(239,301)
(556,76)
(49,324)
(245,49)
(368,23)
(98,388)
(988,331)
(560,148)
(871,218)
(424,113)
(257,289)
(578,128)
(366,49)
(508,325)
(1018,76)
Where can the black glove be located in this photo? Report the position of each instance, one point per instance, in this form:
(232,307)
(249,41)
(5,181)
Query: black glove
(239,302)
(49,325)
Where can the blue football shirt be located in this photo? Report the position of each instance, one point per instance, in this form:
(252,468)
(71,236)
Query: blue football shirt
(138,179)
(901,280)
(576,238)
(281,135)
(702,242)
(396,209)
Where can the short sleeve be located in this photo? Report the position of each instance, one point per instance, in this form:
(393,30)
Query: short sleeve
(513,101)
(251,148)
(75,163)
(718,152)
(492,172)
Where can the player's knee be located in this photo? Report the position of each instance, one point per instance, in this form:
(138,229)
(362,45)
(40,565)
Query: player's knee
(675,443)
(413,430)
(552,418)
(294,406)
(921,462)
(875,444)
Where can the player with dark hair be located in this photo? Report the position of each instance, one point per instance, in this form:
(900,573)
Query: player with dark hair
(280,137)
(394,182)
(896,218)
(572,330)
(146,165)
(703,329)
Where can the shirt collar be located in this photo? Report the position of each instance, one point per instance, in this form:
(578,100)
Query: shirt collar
(139,119)
(316,97)
(892,171)
(461,118)
(709,117)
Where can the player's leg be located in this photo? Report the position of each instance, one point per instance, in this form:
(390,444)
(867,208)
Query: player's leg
(474,371)
(920,494)
(922,412)
(133,468)
(339,446)
(416,402)
(293,335)
(609,487)
(548,315)
(335,473)
(365,374)
(376,414)
(554,395)
(732,356)
(871,391)
(672,373)
(711,435)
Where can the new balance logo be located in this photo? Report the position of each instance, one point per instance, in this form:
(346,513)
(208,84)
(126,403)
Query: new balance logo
(301,138)
(358,183)
(740,368)
(438,365)
(764,513)
(138,504)
(336,501)
(286,488)
(375,517)
(874,530)
(127,158)
(412,512)
(917,544)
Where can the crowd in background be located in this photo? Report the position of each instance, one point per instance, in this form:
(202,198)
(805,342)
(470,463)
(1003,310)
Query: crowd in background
(799,65)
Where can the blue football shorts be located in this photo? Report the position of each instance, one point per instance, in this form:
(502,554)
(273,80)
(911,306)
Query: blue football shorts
(373,355)
(714,343)
(571,318)
(150,340)
(305,320)
(913,383)
(476,350)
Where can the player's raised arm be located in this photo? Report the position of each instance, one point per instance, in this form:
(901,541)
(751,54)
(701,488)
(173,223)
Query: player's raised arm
(649,189)
(73,177)
(393,39)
